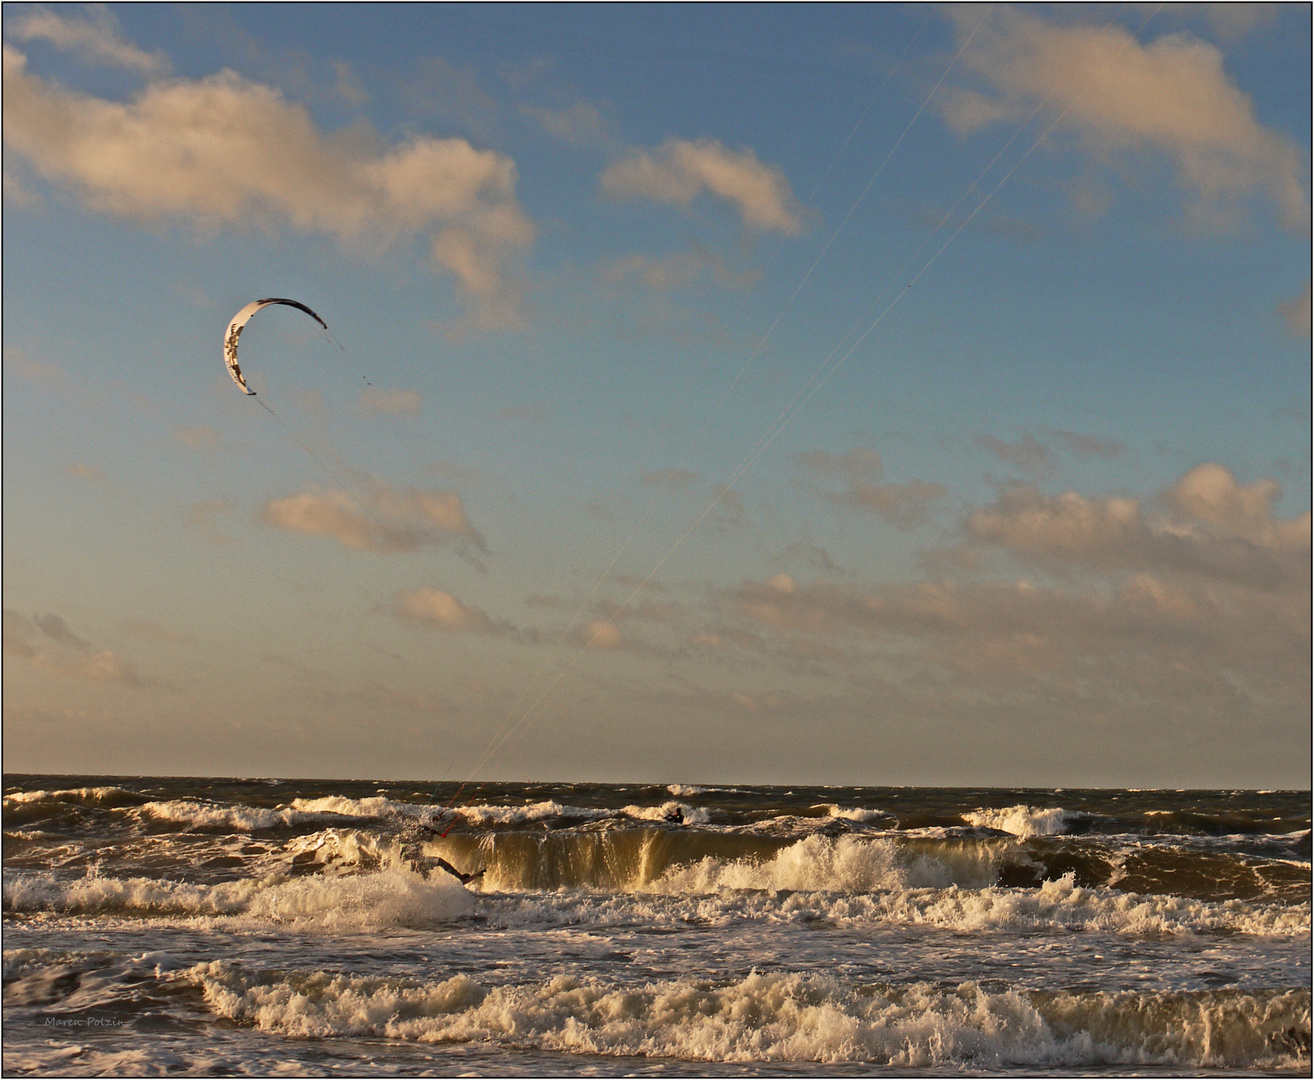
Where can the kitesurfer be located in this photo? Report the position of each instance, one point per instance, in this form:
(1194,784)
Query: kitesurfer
(422,863)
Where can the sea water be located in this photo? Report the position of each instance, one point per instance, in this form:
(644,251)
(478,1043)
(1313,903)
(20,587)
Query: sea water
(158,925)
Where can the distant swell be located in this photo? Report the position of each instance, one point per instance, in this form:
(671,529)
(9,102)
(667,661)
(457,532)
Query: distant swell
(781,1017)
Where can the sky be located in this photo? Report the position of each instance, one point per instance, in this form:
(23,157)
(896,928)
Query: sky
(861,394)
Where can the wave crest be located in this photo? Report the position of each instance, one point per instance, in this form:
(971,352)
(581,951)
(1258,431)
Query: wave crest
(780,1017)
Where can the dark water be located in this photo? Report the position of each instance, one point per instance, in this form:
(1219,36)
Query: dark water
(200,925)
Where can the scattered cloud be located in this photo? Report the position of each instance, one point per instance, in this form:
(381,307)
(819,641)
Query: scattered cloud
(729,504)
(580,123)
(224,151)
(1215,529)
(1026,454)
(391,521)
(679,171)
(812,555)
(50,646)
(57,629)
(95,38)
(442,611)
(904,505)
(1171,97)
(1089,445)
(390,402)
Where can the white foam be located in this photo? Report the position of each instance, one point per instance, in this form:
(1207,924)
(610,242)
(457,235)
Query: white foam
(775,1017)
(83,794)
(392,896)
(514,815)
(1022,820)
(373,808)
(668,811)
(216,815)
(863,880)
(845,865)
(855,813)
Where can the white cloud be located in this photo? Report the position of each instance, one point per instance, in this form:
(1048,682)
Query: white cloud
(442,611)
(225,151)
(1194,605)
(392,521)
(1171,96)
(1217,529)
(96,38)
(678,171)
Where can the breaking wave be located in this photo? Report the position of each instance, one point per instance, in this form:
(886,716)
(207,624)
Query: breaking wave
(393,896)
(779,1017)
(1023,821)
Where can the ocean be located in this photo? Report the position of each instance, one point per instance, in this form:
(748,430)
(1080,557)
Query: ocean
(182,925)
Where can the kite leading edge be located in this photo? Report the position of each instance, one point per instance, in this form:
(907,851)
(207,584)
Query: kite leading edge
(240,320)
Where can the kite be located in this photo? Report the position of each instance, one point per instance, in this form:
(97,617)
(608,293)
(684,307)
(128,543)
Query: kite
(234,332)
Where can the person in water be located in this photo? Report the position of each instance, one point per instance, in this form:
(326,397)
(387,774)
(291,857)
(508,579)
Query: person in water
(464,879)
(422,863)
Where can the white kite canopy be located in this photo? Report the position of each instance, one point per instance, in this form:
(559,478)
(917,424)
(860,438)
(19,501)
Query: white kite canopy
(240,320)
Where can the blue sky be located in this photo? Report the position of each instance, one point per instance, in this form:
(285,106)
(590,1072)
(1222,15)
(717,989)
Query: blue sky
(895,394)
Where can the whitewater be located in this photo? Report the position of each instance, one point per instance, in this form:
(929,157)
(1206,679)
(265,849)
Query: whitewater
(195,926)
